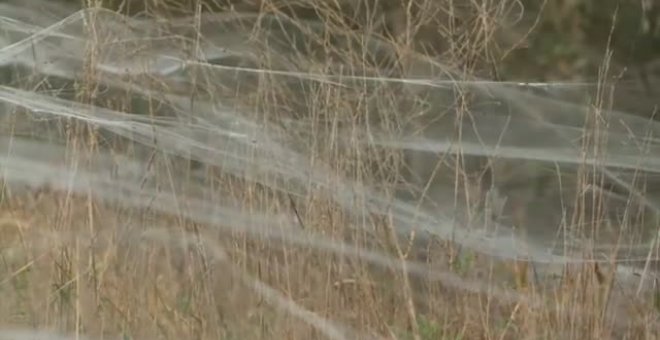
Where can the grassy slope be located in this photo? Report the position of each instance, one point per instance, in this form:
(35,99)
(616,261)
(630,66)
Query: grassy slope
(73,264)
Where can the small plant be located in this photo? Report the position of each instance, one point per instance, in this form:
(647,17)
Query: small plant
(429,330)
(464,262)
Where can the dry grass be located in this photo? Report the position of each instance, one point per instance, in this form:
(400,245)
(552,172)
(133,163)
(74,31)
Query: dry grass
(250,241)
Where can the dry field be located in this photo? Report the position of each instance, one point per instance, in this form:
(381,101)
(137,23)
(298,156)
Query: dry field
(188,169)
